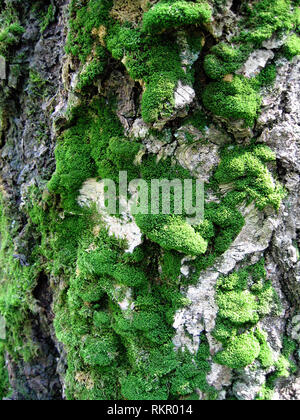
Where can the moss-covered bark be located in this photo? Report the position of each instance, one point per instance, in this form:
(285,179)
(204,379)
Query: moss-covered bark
(106,98)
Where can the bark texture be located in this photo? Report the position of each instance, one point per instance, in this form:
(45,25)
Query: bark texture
(99,306)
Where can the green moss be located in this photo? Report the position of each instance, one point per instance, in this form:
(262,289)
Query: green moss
(158,99)
(238,307)
(224,59)
(114,352)
(241,307)
(83,19)
(9,37)
(100,351)
(88,288)
(239,98)
(11,28)
(246,169)
(48,18)
(172,232)
(292,46)
(141,54)
(171,266)
(266,77)
(4,384)
(91,72)
(198,120)
(265,356)
(93,146)
(240,352)
(104,342)
(16,285)
(284,368)
(174,14)
(236,100)
(244,184)
(102,320)
(37,85)
(265,394)
(143,62)
(266,17)
(165,369)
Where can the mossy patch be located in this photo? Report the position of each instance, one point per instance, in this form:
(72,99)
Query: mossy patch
(292,46)
(140,52)
(224,59)
(174,14)
(244,298)
(17,280)
(284,368)
(114,311)
(235,100)
(10,30)
(266,17)
(4,384)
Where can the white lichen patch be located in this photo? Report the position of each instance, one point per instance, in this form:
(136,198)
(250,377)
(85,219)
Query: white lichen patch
(123,227)
(183,95)
(256,62)
(219,376)
(127,301)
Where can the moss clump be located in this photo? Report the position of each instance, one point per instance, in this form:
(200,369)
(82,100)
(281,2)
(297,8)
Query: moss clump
(140,53)
(91,72)
(10,36)
(266,77)
(93,146)
(170,374)
(240,352)
(264,18)
(158,99)
(226,222)
(11,28)
(99,351)
(246,170)
(265,356)
(292,46)
(243,184)
(84,19)
(18,280)
(244,298)
(236,100)
(174,14)
(224,59)
(142,58)
(114,353)
(172,232)
(115,310)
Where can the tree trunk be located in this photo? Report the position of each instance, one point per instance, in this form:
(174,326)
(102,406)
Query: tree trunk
(102,303)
